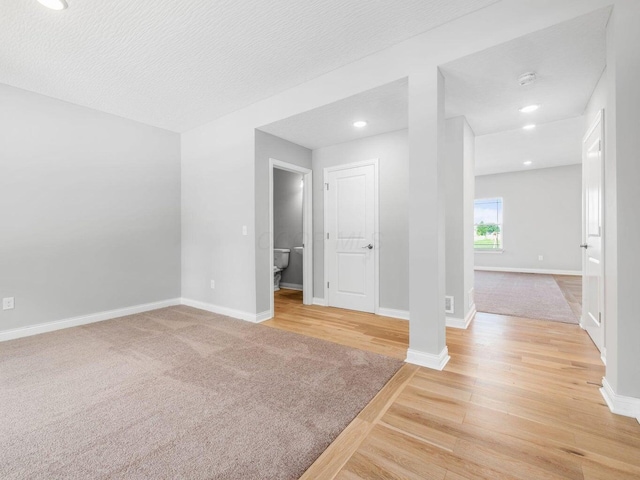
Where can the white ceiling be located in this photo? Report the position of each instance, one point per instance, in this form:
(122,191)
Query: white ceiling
(177,65)
(568,59)
(384,108)
(549,145)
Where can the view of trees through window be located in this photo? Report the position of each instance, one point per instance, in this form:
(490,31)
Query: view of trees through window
(488,224)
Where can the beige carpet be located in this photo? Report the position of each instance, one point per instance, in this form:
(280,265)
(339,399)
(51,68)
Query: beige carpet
(528,295)
(177,393)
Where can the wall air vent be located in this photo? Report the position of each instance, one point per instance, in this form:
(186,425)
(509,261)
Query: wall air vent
(448,304)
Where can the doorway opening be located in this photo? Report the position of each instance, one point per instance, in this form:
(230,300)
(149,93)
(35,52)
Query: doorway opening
(526,107)
(290,232)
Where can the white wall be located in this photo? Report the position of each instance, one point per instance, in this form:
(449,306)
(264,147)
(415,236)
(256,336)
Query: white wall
(392,150)
(90,210)
(542,216)
(622,198)
(287,221)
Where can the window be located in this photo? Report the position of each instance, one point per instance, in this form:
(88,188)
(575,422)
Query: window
(487,232)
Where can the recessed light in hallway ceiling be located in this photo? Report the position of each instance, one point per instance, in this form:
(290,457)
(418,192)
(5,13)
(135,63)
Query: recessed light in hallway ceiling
(529,108)
(360,124)
(54,4)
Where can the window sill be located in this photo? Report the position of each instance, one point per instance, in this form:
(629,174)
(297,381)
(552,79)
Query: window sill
(489,251)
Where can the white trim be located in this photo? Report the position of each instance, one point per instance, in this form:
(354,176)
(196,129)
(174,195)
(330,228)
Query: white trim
(462,322)
(291,286)
(428,360)
(319,301)
(603,355)
(229,312)
(392,313)
(307,230)
(545,271)
(263,316)
(627,406)
(84,319)
(376,227)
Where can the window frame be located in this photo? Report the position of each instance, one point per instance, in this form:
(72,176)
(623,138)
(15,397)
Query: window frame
(501,225)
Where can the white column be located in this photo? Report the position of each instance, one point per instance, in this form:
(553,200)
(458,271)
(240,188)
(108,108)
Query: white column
(459,189)
(426,219)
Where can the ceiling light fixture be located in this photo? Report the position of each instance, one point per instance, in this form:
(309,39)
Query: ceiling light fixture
(529,108)
(527,163)
(54,4)
(529,127)
(360,124)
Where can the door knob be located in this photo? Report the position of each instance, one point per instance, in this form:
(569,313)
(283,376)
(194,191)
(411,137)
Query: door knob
(368,246)
(584,245)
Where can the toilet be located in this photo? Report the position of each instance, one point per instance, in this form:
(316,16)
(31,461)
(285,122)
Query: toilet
(280,262)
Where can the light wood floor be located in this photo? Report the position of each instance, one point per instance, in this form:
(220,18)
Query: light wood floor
(518,399)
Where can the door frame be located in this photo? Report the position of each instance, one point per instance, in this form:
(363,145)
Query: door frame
(598,122)
(376,227)
(307,230)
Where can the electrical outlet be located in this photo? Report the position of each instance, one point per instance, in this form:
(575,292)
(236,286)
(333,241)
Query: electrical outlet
(8,303)
(540,258)
(213,284)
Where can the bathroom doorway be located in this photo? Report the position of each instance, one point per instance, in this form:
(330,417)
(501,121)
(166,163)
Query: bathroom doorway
(291,227)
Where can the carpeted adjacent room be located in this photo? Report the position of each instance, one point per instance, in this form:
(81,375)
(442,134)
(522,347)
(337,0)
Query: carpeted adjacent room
(177,393)
(526,295)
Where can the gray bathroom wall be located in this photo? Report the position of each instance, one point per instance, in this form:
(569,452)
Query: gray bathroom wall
(90,210)
(392,150)
(269,146)
(287,222)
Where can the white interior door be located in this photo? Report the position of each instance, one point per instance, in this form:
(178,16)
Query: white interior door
(593,272)
(351,217)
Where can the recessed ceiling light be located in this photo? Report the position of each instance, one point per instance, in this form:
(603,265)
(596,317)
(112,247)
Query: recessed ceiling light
(527,162)
(529,108)
(529,127)
(54,4)
(360,124)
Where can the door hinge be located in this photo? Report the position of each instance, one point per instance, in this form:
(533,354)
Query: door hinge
(327,235)
(327,284)
(327,186)
(599,317)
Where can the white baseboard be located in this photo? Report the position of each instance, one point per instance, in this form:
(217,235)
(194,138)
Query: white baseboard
(291,286)
(462,322)
(84,319)
(390,312)
(530,270)
(319,301)
(229,312)
(263,316)
(429,360)
(627,406)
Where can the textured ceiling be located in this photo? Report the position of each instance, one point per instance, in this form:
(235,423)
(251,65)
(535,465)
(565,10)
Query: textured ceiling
(549,145)
(568,59)
(384,108)
(177,65)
